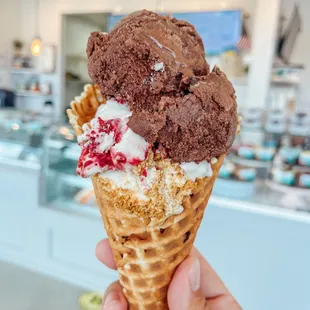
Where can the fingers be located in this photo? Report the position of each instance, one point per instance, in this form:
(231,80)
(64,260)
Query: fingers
(114,298)
(224,302)
(184,291)
(104,254)
(212,287)
(211,284)
(195,285)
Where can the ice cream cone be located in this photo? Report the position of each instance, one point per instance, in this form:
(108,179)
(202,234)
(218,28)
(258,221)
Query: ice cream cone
(146,253)
(84,107)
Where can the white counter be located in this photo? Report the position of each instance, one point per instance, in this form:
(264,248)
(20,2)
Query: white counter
(261,252)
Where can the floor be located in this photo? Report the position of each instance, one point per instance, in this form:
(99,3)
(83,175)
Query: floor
(21,289)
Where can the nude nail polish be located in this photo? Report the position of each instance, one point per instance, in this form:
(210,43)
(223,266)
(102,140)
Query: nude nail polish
(194,276)
(112,299)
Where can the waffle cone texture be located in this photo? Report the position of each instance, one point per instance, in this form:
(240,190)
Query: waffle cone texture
(146,255)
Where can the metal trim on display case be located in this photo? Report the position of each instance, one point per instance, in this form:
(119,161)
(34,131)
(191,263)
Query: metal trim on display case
(20,164)
(71,207)
(263,209)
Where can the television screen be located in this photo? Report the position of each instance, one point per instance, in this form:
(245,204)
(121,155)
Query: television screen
(220,30)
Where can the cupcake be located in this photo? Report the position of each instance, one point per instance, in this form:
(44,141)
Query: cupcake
(272,140)
(276,126)
(245,174)
(277,115)
(253,113)
(304,158)
(226,170)
(285,177)
(298,141)
(303,180)
(265,154)
(290,155)
(299,128)
(246,152)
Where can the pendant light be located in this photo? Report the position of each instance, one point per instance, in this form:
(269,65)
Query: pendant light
(36,45)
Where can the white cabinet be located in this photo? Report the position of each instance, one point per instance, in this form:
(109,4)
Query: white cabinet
(262,258)
(66,248)
(18,192)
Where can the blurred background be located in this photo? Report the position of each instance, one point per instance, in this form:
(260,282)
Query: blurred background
(256,230)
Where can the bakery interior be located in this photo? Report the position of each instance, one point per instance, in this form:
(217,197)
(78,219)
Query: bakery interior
(256,228)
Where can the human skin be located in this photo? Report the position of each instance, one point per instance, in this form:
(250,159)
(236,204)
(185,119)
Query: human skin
(195,285)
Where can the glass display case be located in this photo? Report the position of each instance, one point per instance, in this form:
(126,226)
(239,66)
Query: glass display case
(21,138)
(61,187)
(245,176)
(269,163)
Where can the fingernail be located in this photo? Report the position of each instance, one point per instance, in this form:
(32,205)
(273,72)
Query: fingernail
(194,276)
(111,301)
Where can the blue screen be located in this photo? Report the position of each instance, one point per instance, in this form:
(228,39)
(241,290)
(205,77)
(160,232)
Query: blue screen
(219,30)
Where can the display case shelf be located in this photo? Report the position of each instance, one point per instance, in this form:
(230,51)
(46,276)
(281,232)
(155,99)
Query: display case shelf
(17,150)
(28,93)
(27,71)
(271,195)
(75,181)
(70,206)
(61,187)
(17,163)
(251,162)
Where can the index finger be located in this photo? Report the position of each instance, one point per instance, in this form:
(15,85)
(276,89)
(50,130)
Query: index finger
(211,284)
(104,254)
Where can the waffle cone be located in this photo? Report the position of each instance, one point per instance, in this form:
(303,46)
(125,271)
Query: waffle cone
(84,107)
(146,254)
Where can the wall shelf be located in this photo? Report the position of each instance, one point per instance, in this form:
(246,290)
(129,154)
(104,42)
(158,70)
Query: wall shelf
(31,94)
(78,82)
(275,81)
(27,71)
(284,82)
(77,57)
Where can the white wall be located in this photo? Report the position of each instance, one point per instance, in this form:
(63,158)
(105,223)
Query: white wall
(264,39)
(9,23)
(301,51)
(75,40)
(9,30)
(76,34)
(51,11)
(50,19)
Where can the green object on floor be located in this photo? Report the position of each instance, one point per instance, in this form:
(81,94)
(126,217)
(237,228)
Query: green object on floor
(90,301)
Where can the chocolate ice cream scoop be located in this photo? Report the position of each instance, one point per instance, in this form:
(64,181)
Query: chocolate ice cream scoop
(157,64)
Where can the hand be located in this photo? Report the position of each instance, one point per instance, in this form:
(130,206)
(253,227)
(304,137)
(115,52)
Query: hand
(195,285)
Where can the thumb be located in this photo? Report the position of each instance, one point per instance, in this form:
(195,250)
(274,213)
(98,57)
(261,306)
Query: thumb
(114,298)
(184,291)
